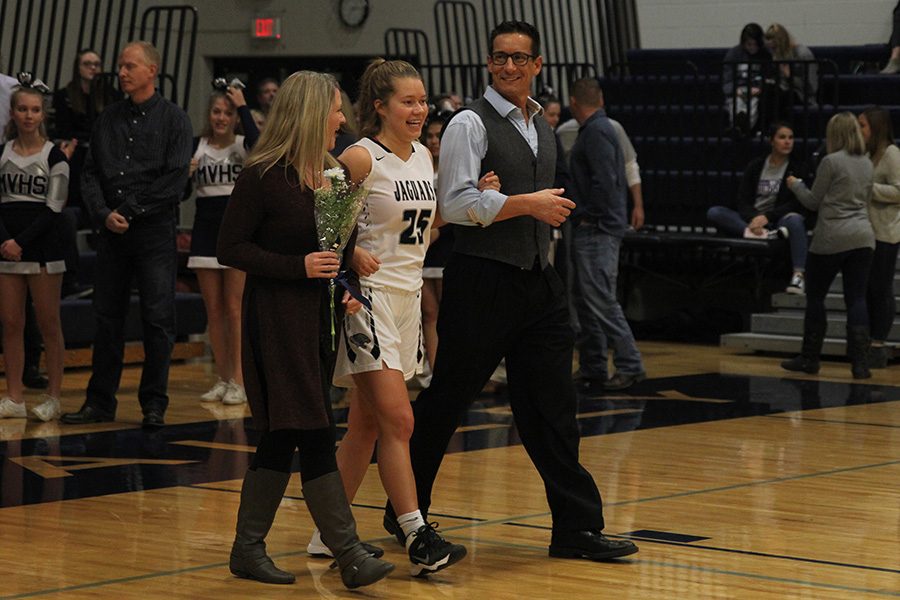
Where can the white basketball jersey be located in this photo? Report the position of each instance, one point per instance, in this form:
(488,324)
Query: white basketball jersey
(395,224)
(218,168)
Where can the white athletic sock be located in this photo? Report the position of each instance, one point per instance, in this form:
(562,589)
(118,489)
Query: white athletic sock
(410,523)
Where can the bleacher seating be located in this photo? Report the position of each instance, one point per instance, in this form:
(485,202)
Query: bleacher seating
(671,104)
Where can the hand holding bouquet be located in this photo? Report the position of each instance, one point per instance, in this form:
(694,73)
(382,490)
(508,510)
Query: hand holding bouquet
(338,204)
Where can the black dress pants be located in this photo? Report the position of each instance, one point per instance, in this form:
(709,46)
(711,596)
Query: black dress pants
(491,310)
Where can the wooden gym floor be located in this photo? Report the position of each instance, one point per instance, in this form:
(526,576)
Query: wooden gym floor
(736,479)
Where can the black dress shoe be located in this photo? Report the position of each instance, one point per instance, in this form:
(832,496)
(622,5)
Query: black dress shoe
(590,544)
(153,419)
(87,414)
(590,386)
(33,379)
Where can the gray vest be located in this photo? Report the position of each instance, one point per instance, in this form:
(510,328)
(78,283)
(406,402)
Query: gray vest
(517,241)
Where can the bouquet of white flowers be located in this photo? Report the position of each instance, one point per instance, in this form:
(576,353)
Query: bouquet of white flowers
(338,204)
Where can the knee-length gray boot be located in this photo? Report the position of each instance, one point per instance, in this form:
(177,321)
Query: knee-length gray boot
(330,510)
(261,494)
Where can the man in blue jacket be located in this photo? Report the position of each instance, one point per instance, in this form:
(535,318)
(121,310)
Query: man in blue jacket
(600,220)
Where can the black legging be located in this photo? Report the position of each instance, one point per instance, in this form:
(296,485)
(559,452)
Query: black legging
(880,297)
(276,451)
(821,269)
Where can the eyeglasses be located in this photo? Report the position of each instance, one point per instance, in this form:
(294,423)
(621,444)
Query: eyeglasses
(520,59)
(95,64)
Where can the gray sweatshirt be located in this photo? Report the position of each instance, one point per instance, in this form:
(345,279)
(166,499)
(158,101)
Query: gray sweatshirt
(840,194)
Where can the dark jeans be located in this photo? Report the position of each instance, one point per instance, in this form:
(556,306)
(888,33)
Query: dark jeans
(601,318)
(821,269)
(880,297)
(145,254)
(489,311)
(727,220)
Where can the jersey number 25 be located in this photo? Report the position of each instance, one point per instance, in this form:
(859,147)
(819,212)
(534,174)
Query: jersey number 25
(418,222)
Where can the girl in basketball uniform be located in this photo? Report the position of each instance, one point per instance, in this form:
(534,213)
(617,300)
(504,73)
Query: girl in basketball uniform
(34,179)
(219,156)
(380,349)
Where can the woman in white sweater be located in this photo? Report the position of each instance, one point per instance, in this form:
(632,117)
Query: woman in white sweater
(884,212)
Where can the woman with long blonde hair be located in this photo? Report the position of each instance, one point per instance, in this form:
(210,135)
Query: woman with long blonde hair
(269,231)
(798,74)
(843,241)
(219,156)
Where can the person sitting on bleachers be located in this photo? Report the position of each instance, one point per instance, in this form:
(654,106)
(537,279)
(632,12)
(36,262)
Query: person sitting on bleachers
(766,207)
(742,78)
(796,82)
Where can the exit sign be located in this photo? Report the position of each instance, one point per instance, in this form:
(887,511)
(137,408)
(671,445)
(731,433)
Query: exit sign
(266,28)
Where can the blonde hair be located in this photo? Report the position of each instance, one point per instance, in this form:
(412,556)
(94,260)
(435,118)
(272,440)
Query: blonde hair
(295,133)
(207,131)
(377,83)
(151,54)
(784,47)
(11,131)
(843,133)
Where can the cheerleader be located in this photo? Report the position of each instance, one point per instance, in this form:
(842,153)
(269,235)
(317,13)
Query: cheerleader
(34,179)
(219,156)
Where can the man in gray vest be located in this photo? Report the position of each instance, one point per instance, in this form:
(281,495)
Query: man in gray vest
(502,300)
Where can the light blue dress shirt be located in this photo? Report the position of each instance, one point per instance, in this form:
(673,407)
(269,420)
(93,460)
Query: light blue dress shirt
(463,147)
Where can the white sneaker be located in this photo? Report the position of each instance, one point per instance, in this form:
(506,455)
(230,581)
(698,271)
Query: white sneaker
(234,394)
(316,547)
(216,393)
(48,409)
(797,285)
(780,233)
(10,409)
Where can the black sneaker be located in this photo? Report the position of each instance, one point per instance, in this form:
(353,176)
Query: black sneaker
(429,552)
(393,527)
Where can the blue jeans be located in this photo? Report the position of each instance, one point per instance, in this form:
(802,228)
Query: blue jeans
(603,323)
(729,221)
(145,254)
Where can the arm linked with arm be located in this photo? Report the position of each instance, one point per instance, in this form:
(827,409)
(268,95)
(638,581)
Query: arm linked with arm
(463,146)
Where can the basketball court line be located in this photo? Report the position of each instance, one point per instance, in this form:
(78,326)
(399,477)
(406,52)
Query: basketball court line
(834,421)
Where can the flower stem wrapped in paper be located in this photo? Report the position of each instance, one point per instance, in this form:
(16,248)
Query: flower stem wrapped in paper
(338,204)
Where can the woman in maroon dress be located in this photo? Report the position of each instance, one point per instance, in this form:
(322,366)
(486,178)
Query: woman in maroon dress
(269,231)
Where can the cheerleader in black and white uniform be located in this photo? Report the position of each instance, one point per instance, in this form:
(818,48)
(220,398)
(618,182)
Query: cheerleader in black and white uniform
(219,156)
(34,181)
